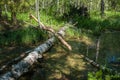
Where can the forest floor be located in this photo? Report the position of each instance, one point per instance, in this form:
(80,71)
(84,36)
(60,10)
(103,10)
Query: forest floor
(58,62)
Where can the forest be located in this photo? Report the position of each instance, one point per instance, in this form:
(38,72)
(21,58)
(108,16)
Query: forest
(60,40)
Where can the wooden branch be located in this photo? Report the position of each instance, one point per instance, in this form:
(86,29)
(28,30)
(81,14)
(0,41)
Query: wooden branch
(64,42)
(24,65)
(98,66)
(56,34)
(42,25)
(97,48)
(93,63)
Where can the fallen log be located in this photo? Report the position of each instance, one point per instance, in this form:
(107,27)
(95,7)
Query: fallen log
(24,65)
(62,31)
(58,35)
(100,67)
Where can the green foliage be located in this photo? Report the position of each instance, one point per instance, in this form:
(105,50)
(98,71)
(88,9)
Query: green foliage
(26,36)
(95,76)
(102,75)
(98,25)
(114,4)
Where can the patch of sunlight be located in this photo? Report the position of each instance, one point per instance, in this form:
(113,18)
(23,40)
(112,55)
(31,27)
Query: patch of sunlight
(87,40)
(57,74)
(66,70)
(57,55)
(75,61)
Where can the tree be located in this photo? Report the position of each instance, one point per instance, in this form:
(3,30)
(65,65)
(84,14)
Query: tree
(114,4)
(15,7)
(1,6)
(0,12)
(102,4)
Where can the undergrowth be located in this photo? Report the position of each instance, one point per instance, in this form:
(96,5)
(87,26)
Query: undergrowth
(27,35)
(93,25)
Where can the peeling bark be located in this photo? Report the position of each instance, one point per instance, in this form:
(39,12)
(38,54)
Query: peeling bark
(24,65)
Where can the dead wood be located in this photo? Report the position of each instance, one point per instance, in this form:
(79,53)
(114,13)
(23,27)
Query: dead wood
(60,38)
(24,65)
(97,48)
(100,67)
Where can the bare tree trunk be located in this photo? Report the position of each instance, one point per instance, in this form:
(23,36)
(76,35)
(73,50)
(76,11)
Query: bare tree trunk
(37,12)
(14,17)
(0,12)
(97,49)
(6,11)
(43,4)
(102,8)
(87,50)
(58,5)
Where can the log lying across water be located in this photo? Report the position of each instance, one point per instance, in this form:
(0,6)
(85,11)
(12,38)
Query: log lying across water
(24,65)
(98,66)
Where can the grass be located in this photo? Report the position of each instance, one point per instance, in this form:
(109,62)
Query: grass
(96,24)
(28,35)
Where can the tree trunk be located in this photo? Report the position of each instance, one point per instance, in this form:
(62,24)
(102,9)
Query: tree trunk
(24,65)
(97,49)
(102,8)
(0,12)
(58,2)
(6,11)
(13,17)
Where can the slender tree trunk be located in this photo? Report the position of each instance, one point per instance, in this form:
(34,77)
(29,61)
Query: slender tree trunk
(36,8)
(0,12)
(14,17)
(89,7)
(91,3)
(37,12)
(97,48)
(43,4)
(58,5)
(102,8)
(6,11)
(87,50)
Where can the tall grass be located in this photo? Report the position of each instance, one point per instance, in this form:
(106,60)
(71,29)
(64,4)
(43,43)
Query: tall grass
(95,23)
(27,35)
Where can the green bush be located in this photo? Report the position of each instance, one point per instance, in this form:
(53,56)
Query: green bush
(102,75)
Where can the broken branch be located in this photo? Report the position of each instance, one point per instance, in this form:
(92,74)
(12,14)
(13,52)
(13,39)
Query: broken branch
(56,34)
